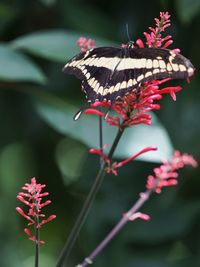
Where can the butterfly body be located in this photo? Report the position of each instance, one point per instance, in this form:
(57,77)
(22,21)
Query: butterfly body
(108,72)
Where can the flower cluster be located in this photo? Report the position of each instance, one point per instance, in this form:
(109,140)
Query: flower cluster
(166,174)
(133,109)
(33,199)
(154,38)
(85,43)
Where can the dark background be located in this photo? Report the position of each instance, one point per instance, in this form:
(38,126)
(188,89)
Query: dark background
(38,137)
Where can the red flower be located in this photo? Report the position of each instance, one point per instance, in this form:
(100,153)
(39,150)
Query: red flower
(138,215)
(112,168)
(33,199)
(166,174)
(154,38)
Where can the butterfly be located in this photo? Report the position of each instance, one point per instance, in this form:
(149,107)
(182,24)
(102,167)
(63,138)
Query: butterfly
(108,73)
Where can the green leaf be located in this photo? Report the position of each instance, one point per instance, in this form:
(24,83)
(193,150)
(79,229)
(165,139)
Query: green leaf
(56,45)
(59,114)
(17,67)
(70,157)
(188,9)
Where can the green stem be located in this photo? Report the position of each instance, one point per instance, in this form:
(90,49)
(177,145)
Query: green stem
(101,137)
(87,205)
(36,245)
(100,133)
(116,141)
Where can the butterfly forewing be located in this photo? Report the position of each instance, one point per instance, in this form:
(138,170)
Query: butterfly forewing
(108,72)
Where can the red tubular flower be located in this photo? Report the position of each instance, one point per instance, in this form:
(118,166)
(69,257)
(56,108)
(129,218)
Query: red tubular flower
(139,215)
(33,199)
(112,168)
(32,237)
(94,111)
(166,174)
(100,153)
(147,149)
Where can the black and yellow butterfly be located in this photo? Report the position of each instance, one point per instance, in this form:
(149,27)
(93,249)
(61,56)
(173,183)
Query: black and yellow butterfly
(108,72)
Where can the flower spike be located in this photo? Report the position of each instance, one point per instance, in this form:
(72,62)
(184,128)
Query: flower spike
(166,174)
(33,199)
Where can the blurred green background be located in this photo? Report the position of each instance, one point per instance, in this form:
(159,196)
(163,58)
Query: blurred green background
(39,138)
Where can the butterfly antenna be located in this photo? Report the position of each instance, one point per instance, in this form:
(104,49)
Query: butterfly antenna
(127,32)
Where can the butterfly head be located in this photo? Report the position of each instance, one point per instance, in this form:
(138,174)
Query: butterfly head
(130,44)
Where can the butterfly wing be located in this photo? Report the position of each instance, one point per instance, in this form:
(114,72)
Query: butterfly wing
(108,72)
(95,69)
